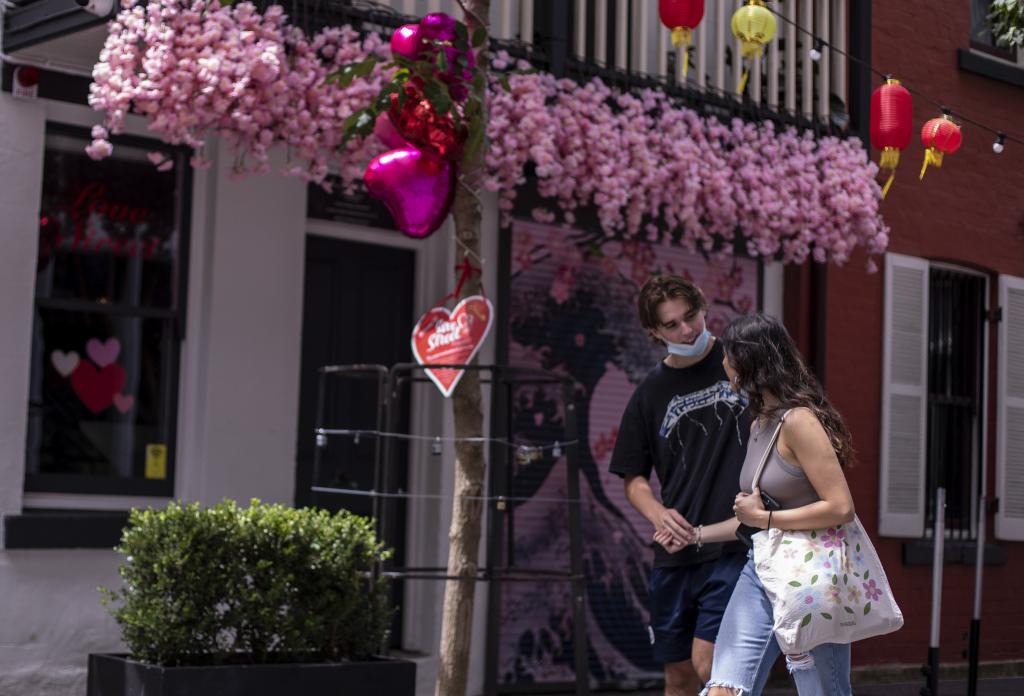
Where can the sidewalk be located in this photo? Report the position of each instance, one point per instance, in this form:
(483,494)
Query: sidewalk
(1011,686)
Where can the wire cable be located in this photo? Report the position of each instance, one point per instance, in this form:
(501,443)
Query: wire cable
(554,446)
(867,64)
(437,496)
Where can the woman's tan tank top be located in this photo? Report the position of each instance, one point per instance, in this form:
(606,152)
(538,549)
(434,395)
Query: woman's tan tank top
(783,481)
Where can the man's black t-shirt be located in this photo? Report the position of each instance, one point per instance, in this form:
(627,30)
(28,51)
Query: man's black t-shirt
(692,429)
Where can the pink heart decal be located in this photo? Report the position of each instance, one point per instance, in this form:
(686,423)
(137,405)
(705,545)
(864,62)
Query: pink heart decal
(64,363)
(96,387)
(124,402)
(451,338)
(103,353)
(416,187)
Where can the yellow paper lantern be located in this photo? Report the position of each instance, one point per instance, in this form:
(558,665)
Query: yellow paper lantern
(754,25)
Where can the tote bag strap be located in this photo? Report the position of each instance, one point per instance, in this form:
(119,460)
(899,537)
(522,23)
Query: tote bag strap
(768,452)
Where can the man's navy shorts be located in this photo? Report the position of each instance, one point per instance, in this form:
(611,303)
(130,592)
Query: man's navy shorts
(688,602)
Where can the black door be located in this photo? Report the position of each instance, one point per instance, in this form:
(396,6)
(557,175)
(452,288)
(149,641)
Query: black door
(358,308)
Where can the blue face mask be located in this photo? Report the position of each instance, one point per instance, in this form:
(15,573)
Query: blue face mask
(690,350)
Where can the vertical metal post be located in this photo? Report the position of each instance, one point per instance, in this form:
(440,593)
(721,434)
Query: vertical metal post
(931,670)
(392,411)
(318,422)
(501,399)
(578,585)
(975,635)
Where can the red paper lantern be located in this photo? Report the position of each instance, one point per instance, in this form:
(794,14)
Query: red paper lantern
(939,136)
(891,125)
(682,17)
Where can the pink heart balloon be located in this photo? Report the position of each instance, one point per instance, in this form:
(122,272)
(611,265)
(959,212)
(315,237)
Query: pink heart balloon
(406,41)
(386,132)
(437,26)
(416,187)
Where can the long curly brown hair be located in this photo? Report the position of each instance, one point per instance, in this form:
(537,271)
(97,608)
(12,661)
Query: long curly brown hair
(767,361)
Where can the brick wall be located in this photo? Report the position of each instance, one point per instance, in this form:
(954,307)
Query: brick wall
(969,212)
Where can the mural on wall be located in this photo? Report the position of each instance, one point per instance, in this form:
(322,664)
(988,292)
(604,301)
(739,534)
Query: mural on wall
(573,310)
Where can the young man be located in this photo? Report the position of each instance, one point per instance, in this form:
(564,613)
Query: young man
(686,424)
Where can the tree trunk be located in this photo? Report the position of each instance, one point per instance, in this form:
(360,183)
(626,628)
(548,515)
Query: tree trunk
(470,466)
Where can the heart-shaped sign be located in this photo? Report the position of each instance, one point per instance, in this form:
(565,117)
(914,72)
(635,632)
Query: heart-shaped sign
(97,387)
(103,353)
(444,337)
(416,187)
(64,363)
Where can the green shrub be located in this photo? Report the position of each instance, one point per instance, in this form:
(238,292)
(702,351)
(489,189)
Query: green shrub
(261,584)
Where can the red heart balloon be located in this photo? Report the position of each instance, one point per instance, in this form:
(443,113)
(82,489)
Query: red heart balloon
(97,388)
(416,187)
(418,123)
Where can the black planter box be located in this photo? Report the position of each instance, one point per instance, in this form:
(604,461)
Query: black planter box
(117,675)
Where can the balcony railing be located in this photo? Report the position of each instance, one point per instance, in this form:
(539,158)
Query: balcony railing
(621,41)
(627,38)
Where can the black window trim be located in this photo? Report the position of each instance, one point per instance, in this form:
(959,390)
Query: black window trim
(976,61)
(176,317)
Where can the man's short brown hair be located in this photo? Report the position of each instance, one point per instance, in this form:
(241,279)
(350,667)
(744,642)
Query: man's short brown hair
(663,287)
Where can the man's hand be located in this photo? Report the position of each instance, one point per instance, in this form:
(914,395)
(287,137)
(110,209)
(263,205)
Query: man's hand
(675,524)
(668,542)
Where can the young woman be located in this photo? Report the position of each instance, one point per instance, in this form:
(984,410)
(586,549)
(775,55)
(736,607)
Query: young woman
(804,476)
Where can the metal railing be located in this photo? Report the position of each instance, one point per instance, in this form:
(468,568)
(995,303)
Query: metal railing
(624,43)
(626,36)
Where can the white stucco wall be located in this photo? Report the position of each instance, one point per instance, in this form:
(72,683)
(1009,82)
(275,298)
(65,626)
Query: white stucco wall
(21,177)
(238,392)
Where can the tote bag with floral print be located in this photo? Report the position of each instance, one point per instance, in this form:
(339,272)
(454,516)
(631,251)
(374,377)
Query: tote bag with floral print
(825,585)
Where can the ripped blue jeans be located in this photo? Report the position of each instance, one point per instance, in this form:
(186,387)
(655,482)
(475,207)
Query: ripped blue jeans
(746,649)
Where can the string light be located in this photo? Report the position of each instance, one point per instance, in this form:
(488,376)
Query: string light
(815,53)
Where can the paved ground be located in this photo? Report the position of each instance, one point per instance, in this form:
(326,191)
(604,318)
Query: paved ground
(986,687)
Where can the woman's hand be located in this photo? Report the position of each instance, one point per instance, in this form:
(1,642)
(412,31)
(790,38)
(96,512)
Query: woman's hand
(669,542)
(750,510)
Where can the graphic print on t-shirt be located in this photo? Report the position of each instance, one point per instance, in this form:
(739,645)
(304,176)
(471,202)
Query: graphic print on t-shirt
(679,406)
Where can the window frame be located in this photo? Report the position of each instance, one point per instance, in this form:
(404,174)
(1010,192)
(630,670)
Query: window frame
(989,59)
(991,49)
(174,316)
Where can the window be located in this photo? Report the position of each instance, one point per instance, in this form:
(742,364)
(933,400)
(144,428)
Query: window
(933,395)
(956,337)
(982,38)
(110,289)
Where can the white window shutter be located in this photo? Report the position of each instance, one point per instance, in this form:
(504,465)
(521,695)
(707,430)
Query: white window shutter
(1010,409)
(904,397)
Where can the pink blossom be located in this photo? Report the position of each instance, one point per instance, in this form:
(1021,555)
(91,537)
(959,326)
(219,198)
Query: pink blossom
(648,167)
(99,149)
